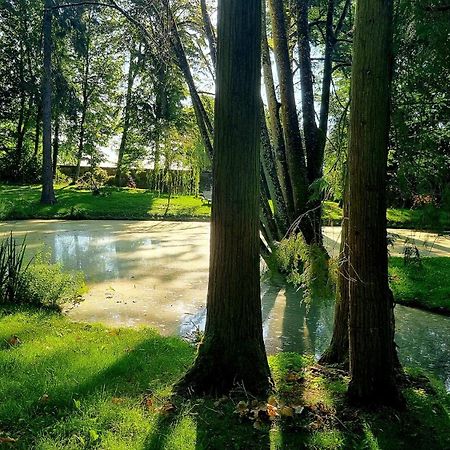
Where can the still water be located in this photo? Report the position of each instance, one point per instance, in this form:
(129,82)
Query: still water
(155,273)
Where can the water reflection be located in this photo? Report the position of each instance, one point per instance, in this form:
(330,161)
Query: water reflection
(156,274)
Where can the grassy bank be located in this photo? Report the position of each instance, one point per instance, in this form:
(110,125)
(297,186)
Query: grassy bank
(67,385)
(425,285)
(22,202)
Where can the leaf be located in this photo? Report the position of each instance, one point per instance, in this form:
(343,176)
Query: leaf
(272,401)
(242,408)
(93,436)
(298,409)
(45,398)
(77,404)
(166,409)
(6,440)
(287,411)
(117,400)
(14,341)
(272,412)
(258,425)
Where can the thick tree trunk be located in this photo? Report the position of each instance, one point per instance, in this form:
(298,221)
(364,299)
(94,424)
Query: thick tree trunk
(372,348)
(294,150)
(232,350)
(48,194)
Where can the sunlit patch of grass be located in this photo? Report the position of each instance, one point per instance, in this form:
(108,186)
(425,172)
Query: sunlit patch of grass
(426,285)
(75,386)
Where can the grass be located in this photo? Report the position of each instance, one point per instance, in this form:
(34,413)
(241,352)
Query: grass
(427,218)
(67,385)
(425,285)
(22,202)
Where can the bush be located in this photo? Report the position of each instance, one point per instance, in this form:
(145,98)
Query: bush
(305,266)
(48,285)
(36,282)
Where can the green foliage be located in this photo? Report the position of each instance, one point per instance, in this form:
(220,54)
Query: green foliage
(305,266)
(48,285)
(12,269)
(36,281)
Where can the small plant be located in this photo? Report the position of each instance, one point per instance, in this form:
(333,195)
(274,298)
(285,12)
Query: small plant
(36,281)
(12,269)
(411,254)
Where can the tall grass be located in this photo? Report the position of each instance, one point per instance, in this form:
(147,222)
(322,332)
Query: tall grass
(12,269)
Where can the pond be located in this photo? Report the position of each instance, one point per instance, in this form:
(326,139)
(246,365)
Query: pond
(155,273)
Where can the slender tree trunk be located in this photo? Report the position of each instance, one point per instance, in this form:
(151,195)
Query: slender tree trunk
(126,119)
(337,352)
(48,194)
(56,146)
(372,348)
(83,111)
(310,130)
(276,130)
(209,32)
(37,129)
(232,350)
(294,150)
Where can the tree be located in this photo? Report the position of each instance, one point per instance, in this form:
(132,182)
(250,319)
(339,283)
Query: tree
(232,350)
(371,332)
(48,194)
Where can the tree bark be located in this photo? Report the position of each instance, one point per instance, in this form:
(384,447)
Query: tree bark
(372,347)
(48,194)
(83,111)
(338,350)
(126,120)
(209,32)
(276,130)
(232,350)
(56,146)
(294,150)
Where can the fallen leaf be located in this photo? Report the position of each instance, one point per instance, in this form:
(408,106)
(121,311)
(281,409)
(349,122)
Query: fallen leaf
(258,425)
(5,440)
(272,401)
(14,341)
(298,409)
(117,400)
(272,411)
(242,408)
(166,409)
(287,411)
(45,398)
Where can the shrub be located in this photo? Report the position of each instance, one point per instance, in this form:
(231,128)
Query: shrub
(48,285)
(37,281)
(305,266)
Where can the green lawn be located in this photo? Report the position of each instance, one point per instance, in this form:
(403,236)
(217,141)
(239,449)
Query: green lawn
(22,202)
(76,386)
(426,285)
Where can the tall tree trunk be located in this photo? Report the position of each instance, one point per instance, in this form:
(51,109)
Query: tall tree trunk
(37,129)
(294,150)
(276,130)
(48,194)
(313,148)
(56,146)
(232,350)
(337,352)
(372,348)
(209,32)
(83,111)
(126,120)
